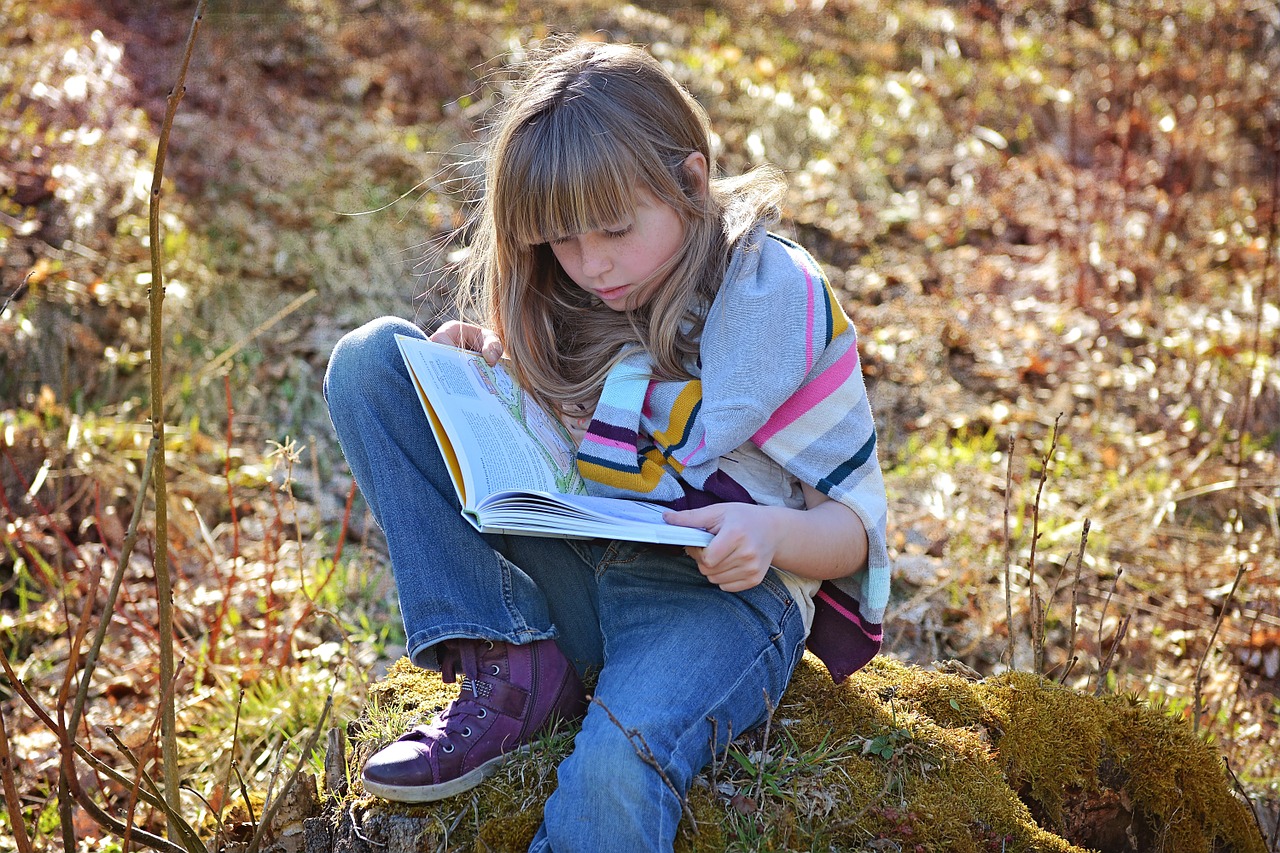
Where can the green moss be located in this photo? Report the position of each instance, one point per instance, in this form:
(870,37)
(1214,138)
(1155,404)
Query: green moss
(926,760)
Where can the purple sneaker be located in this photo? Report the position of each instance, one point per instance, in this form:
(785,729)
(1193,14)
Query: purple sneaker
(509,694)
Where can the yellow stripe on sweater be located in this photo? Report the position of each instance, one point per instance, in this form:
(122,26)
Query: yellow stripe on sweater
(648,478)
(678,424)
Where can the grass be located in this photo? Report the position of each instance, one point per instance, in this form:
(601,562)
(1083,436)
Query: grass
(1099,265)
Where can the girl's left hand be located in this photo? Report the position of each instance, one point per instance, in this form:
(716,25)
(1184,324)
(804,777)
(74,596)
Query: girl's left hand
(745,541)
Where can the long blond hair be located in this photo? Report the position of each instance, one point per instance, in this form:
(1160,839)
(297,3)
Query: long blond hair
(590,125)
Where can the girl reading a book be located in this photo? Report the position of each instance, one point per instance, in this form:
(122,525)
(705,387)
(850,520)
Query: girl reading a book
(701,362)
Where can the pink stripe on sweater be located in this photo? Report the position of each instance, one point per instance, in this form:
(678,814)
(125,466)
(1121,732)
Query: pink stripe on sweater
(689,455)
(609,442)
(850,615)
(809,396)
(646,408)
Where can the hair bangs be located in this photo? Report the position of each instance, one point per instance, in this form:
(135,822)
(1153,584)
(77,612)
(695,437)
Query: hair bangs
(562,178)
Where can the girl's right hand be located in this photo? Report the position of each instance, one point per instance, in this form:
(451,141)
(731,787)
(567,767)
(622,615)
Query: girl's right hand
(471,337)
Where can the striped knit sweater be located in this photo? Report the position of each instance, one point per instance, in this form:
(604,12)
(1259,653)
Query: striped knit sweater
(778,367)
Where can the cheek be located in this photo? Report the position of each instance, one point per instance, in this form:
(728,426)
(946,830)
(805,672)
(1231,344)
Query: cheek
(563,256)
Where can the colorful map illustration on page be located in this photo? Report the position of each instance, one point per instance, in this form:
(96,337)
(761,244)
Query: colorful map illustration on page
(547,432)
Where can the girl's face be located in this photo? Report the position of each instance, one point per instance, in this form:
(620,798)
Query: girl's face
(617,263)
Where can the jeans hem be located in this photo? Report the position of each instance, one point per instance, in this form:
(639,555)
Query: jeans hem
(421,647)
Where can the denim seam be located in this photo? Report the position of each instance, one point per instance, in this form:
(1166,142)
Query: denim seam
(508,595)
(608,562)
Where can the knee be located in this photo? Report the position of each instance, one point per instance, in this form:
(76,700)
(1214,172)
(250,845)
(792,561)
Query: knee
(361,360)
(612,774)
(606,763)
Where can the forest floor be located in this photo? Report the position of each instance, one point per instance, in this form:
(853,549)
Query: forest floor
(1054,226)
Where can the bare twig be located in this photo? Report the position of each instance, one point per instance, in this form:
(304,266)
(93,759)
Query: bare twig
(164,585)
(126,552)
(189,838)
(1008,550)
(645,754)
(1222,614)
(1121,630)
(270,812)
(1102,621)
(1075,603)
(231,763)
(13,805)
(1036,627)
(346,521)
(1240,789)
(764,745)
(17,293)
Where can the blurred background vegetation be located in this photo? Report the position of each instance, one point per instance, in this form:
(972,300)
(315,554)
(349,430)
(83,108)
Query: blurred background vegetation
(1042,212)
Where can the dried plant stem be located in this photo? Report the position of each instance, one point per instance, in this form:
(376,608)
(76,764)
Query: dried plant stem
(1036,626)
(126,553)
(1208,649)
(346,521)
(189,837)
(1075,603)
(769,710)
(645,754)
(1109,660)
(164,586)
(12,803)
(1008,549)
(1102,621)
(270,812)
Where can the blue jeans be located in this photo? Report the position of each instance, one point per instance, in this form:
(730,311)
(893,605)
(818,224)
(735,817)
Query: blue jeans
(679,660)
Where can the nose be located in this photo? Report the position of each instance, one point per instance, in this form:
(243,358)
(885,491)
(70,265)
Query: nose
(595,256)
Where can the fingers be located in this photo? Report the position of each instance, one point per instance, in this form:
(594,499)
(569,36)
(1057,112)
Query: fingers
(734,572)
(471,337)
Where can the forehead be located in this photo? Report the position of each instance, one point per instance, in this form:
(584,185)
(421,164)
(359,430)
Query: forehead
(558,178)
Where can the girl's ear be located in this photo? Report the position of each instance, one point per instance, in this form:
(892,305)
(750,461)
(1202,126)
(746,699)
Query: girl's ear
(694,172)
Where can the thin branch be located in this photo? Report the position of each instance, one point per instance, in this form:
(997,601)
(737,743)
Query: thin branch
(17,293)
(764,746)
(1075,603)
(1037,615)
(126,553)
(12,802)
(1121,630)
(1222,614)
(164,586)
(269,814)
(1008,549)
(645,754)
(189,838)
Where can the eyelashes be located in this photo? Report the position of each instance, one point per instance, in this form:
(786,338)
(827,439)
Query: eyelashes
(612,234)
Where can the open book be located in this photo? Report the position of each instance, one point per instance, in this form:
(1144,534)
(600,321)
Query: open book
(512,463)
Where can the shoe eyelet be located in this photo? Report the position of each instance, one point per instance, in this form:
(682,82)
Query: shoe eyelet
(489,644)
(497,670)
(448,747)
(466,732)
(483,713)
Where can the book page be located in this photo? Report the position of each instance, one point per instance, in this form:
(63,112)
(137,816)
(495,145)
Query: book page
(585,516)
(500,438)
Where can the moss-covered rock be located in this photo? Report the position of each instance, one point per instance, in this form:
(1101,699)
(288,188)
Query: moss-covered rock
(926,760)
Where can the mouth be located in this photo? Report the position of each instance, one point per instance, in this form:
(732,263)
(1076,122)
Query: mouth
(612,294)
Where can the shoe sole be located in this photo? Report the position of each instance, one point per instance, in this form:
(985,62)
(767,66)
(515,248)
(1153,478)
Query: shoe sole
(442,791)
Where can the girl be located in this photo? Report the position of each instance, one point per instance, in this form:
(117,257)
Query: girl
(700,362)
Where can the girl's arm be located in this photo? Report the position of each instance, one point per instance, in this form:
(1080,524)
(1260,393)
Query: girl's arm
(826,540)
